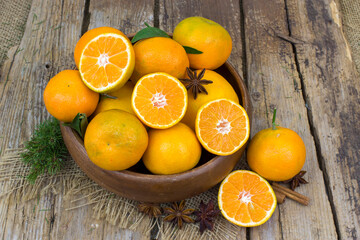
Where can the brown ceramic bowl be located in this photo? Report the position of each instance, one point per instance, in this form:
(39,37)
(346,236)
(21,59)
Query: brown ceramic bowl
(138,184)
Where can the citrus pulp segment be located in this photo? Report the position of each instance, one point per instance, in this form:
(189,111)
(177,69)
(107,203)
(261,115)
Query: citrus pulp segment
(222,126)
(107,62)
(159,100)
(246,199)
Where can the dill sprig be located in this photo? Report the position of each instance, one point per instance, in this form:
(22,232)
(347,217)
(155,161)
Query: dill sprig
(45,151)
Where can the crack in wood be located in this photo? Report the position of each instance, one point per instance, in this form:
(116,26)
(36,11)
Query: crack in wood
(156,13)
(243,43)
(86,18)
(8,73)
(313,133)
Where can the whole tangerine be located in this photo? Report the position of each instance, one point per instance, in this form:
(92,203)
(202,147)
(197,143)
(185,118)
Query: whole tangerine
(66,95)
(115,140)
(206,36)
(159,54)
(172,150)
(276,153)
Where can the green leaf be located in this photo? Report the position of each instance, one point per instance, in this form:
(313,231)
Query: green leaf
(149,32)
(192,50)
(79,124)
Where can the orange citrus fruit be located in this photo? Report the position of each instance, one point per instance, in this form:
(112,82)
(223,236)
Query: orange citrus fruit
(222,126)
(122,101)
(206,36)
(107,62)
(87,37)
(246,199)
(66,95)
(159,100)
(220,88)
(172,150)
(159,54)
(276,154)
(115,140)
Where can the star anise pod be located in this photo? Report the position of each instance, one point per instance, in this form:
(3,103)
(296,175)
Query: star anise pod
(178,214)
(195,82)
(297,180)
(206,216)
(151,209)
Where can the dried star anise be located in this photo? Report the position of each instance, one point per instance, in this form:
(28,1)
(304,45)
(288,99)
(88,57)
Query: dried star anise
(297,180)
(206,216)
(151,209)
(178,214)
(195,82)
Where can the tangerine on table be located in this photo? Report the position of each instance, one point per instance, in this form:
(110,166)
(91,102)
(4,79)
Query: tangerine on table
(220,88)
(66,95)
(106,61)
(276,154)
(115,140)
(122,101)
(206,36)
(222,126)
(159,54)
(246,199)
(159,100)
(172,150)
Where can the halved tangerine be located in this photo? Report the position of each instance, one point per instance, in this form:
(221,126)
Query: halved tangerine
(246,199)
(222,126)
(107,62)
(159,100)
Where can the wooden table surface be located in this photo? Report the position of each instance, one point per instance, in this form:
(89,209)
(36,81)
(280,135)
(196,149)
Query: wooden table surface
(293,56)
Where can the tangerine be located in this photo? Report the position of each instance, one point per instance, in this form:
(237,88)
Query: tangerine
(220,88)
(206,36)
(246,199)
(172,150)
(122,100)
(159,54)
(66,95)
(115,140)
(159,100)
(107,62)
(276,153)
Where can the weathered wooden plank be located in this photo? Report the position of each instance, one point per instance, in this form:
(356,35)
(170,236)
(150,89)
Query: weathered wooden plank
(226,13)
(273,81)
(128,16)
(45,49)
(332,88)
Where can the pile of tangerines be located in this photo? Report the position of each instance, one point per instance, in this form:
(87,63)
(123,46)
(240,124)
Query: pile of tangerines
(145,103)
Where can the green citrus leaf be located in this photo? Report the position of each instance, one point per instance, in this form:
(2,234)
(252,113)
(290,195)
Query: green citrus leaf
(149,32)
(192,50)
(79,124)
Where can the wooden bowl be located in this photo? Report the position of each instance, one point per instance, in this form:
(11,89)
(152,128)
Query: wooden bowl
(138,184)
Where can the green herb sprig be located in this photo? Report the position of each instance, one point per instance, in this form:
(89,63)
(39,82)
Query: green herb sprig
(46,150)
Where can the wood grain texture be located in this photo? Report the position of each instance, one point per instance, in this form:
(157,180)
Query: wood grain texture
(52,30)
(45,49)
(331,85)
(226,13)
(273,81)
